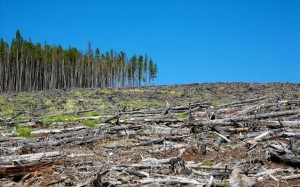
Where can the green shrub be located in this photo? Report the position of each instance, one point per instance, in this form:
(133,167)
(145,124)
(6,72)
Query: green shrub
(182,115)
(221,88)
(198,168)
(216,103)
(89,123)
(64,118)
(25,132)
(92,113)
(208,162)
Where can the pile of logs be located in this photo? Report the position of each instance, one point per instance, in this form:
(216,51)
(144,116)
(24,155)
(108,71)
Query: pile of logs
(253,142)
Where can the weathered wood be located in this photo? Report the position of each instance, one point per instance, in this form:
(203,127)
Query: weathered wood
(152,141)
(170,180)
(52,131)
(111,118)
(202,148)
(290,177)
(259,137)
(268,115)
(14,171)
(243,102)
(131,171)
(292,124)
(289,159)
(126,139)
(29,158)
(220,132)
(238,179)
(201,166)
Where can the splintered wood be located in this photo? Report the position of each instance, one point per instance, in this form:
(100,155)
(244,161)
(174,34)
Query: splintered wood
(252,141)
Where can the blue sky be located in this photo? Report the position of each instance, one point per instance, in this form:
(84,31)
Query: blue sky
(190,40)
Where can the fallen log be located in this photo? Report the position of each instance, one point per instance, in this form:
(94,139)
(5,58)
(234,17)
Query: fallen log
(221,133)
(170,180)
(288,159)
(267,115)
(52,131)
(14,171)
(131,171)
(29,158)
(163,130)
(243,102)
(111,118)
(290,177)
(293,124)
(259,137)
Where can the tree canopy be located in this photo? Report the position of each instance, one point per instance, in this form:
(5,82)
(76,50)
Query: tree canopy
(25,66)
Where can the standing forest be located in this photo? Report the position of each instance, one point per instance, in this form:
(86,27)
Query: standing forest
(25,66)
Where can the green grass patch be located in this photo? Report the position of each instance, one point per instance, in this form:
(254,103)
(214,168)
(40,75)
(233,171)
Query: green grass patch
(141,104)
(47,122)
(89,123)
(133,91)
(127,116)
(198,168)
(264,101)
(78,93)
(65,118)
(207,96)
(216,103)
(172,93)
(48,102)
(60,118)
(70,104)
(103,107)
(25,132)
(3,100)
(208,162)
(9,107)
(91,114)
(94,101)
(22,118)
(106,92)
(221,88)
(182,115)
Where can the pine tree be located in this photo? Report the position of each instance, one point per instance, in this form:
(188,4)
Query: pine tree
(25,66)
(140,69)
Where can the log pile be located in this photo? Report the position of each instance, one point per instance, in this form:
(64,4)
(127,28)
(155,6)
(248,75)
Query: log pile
(242,143)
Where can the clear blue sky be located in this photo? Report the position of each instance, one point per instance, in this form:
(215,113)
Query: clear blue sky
(190,40)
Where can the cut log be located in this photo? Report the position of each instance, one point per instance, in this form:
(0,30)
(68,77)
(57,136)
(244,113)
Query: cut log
(111,118)
(290,177)
(52,131)
(15,171)
(259,137)
(243,102)
(29,158)
(170,180)
(288,159)
(131,171)
(267,115)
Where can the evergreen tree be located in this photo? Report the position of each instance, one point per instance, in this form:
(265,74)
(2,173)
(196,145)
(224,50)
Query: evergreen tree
(25,66)
(145,69)
(140,69)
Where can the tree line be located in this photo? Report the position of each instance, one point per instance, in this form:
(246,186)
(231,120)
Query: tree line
(25,66)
